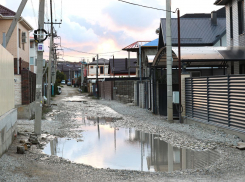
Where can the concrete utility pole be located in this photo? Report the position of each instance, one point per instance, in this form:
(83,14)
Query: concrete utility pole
(169,62)
(50,57)
(128,64)
(140,63)
(14,23)
(97,84)
(82,76)
(39,76)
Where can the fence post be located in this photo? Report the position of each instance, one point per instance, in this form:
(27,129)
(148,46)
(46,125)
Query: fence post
(192,112)
(228,90)
(208,97)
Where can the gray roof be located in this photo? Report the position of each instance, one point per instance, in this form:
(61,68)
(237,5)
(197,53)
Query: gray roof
(101,61)
(66,66)
(221,13)
(120,66)
(195,31)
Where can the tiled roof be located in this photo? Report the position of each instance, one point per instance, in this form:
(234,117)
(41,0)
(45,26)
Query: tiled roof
(6,12)
(120,65)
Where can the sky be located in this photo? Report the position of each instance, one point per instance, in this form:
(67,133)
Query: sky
(104,27)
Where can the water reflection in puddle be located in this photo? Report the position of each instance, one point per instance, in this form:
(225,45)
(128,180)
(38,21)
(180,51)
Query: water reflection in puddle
(125,148)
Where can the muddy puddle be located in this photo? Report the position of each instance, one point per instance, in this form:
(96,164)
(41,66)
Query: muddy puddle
(103,146)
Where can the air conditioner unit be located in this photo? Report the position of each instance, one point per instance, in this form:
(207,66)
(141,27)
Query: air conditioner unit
(24,37)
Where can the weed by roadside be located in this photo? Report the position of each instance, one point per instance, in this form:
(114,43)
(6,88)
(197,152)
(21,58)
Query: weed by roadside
(46,109)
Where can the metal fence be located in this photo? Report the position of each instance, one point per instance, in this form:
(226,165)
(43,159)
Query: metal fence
(218,99)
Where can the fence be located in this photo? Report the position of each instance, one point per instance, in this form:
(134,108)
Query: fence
(218,99)
(6,81)
(28,86)
(124,91)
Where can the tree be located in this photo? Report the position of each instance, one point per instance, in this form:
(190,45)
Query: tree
(60,76)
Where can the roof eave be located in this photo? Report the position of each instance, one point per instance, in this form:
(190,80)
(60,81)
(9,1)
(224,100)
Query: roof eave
(221,2)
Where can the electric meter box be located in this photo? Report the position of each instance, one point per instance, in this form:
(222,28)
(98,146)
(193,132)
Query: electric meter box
(176,97)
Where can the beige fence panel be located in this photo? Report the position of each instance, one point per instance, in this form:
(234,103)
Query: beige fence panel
(6,81)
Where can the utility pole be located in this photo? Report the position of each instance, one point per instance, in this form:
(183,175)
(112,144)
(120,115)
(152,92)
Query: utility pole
(169,62)
(82,76)
(140,63)
(129,64)
(97,84)
(39,76)
(50,57)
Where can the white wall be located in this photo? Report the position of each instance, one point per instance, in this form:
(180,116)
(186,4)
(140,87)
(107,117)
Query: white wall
(92,71)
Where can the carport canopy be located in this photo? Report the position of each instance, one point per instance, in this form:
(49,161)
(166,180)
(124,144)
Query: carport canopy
(201,56)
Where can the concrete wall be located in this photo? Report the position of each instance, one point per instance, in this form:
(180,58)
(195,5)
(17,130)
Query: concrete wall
(26,111)
(17,90)
(8,128)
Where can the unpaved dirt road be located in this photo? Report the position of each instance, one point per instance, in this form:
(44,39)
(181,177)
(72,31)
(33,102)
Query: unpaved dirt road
(61,122)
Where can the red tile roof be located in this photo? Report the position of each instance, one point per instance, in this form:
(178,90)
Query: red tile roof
(6,12)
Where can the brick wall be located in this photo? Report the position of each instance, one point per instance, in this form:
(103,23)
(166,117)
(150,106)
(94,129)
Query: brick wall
(28,86)
(124,91)
(24,65)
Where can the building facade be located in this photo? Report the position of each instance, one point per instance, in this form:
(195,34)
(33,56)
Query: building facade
(235,29)
(19,42)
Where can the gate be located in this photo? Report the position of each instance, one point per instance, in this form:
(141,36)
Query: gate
(218,99)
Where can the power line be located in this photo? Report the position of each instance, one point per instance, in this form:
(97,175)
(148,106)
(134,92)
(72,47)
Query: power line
(146,6)
(34,13)
(90,52)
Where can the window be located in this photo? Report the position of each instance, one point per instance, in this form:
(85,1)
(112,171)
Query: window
(101,70)
(31,60)
(31,44)
(91,67)
(231,23)
(241,17)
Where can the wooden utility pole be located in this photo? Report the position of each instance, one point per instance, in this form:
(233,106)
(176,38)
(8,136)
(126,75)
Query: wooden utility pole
(39,76)
(50,57)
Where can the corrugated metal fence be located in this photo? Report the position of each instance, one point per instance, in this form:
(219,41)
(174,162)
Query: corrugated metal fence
(218,99)
(6,81)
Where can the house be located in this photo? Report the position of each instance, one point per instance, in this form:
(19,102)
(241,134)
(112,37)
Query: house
(72,70)
(235,30)
(120,67)
(19,48)
(19,43)
(103,65)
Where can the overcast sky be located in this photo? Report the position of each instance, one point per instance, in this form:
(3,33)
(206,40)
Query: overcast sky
(100,26)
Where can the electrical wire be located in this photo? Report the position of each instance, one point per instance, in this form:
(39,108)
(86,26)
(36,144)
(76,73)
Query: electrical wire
(34,13)
(102,53)
(146,6)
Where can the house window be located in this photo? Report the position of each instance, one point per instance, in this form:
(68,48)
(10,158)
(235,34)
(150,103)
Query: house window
(31,60)
(32,44)
(91,67)
(241,17)
(19,38)
(101,70)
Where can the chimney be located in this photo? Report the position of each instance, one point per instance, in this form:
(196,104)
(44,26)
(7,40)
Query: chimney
(214,18)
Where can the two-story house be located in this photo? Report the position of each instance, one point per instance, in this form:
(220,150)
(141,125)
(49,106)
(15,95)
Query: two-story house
(19,42)
(235,29)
